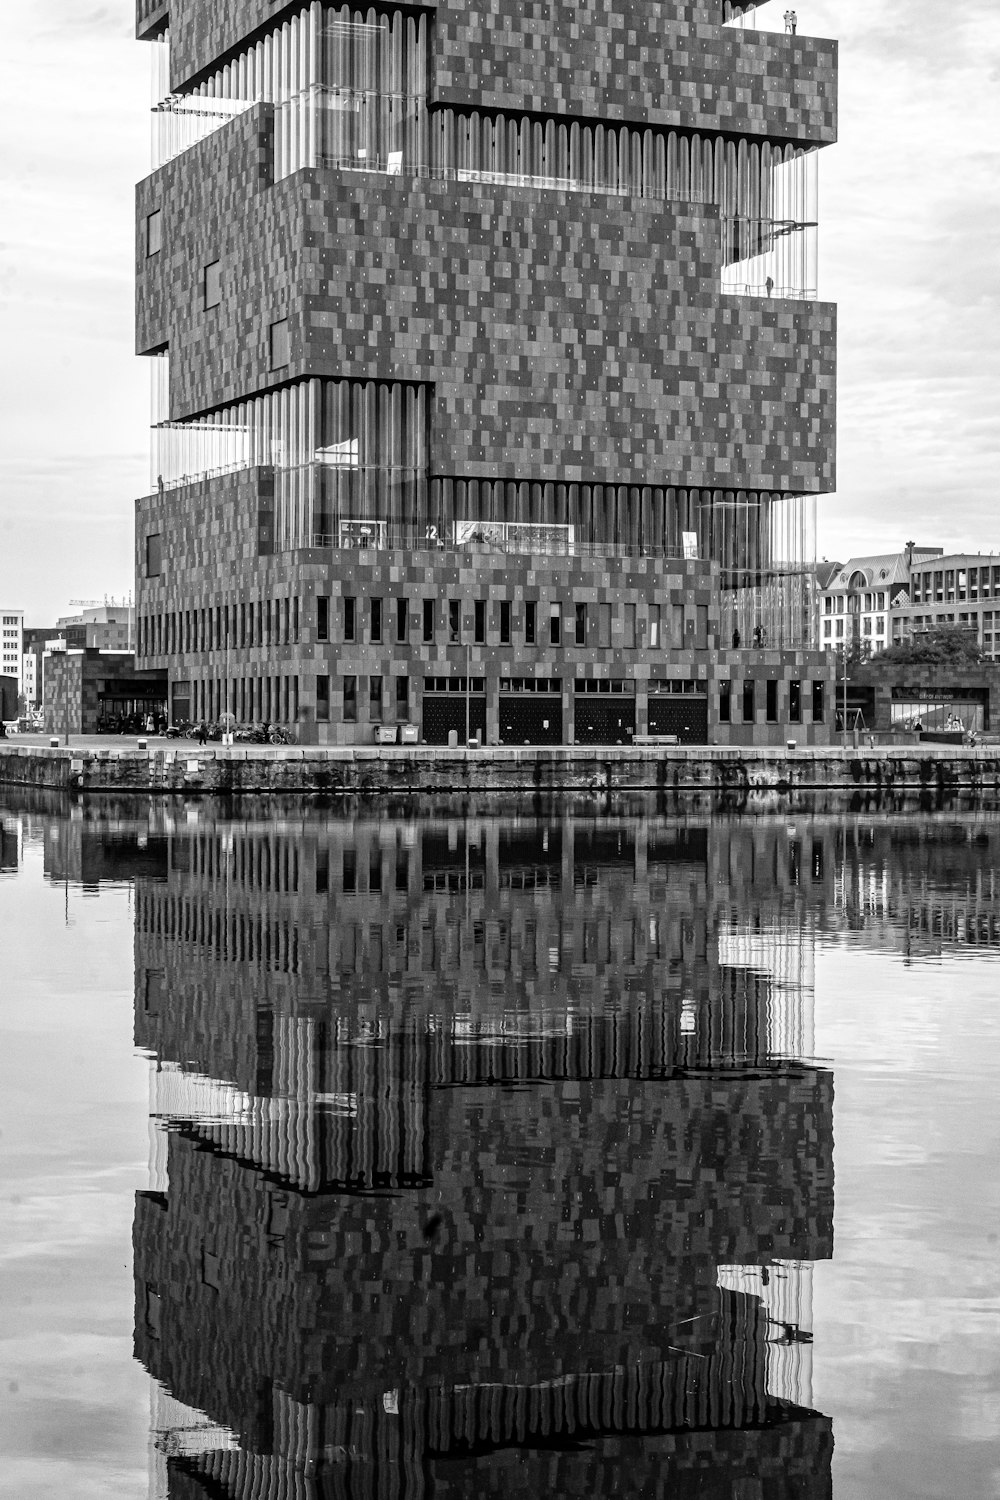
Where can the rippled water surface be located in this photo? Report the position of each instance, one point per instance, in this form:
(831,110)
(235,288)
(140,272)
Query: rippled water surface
(634,1149)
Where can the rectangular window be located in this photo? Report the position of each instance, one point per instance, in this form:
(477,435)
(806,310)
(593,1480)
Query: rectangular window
(604,624)
(654,627)
(322,700)
(505,622)
(819,703)
(725,702)
(454,621)
(749,707)
(322,619)
(375,619)
(350,618)
(350,700)
(630,627)
(402,697)
(279,344)
(555,626)
(530,622)
(581,624)
(375,699)
(212,284)
(480,622)
(428,620)
(154,555)
(795,702)
(402,620)
(154,233)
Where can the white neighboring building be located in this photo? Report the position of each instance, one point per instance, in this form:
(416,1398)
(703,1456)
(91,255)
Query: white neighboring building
(29,682)
(12,645)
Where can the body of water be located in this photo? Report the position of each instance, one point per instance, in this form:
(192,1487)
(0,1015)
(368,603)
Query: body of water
(424,1149)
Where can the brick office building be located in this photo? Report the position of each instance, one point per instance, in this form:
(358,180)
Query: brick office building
(490,383)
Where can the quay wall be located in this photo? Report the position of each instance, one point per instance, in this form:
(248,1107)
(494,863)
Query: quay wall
(215,771)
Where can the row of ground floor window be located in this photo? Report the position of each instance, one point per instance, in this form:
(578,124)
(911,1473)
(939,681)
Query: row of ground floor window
(353,708)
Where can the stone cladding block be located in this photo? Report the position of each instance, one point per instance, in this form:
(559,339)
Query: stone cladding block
(664,62)
(564,341)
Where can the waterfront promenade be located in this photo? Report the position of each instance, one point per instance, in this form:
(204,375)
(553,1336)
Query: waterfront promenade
(96,764)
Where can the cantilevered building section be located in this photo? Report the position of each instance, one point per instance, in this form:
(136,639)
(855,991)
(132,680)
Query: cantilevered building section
(491,391)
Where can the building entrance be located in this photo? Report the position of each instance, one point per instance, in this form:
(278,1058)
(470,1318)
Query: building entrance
(604,720)
(530,719)
(686,717)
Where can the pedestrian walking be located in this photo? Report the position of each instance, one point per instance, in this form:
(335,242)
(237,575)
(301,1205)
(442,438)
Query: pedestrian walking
(769,284)
(202,732)
(736,640)
(791,22)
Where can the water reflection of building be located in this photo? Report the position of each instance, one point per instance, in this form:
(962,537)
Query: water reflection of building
(482,1150)
(919,886)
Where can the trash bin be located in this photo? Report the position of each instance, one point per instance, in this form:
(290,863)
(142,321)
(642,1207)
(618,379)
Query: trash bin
(408,734)
(452,739)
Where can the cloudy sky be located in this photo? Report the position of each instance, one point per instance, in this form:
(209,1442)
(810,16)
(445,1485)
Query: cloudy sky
(910,249)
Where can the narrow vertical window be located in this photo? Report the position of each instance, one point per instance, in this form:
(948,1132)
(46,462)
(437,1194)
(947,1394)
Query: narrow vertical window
(154,233)
(772,701)
(530,622)
(555,626)
(428,620)
(454,621)
(654,627)
(581,624)
(505,622)
(350,618)
(350,699)
(725,702)
(375,699)
(402,620)
(375,619)
(795,702)
(322,699)
(630,627)
(749,707)
(280,350)
(154,555)
(480,622)
(402,697)
(604,624)
(212,284)
(819,704)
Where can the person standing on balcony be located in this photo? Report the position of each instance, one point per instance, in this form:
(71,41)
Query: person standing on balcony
(791,22)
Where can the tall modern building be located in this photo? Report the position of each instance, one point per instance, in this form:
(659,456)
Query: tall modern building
(491,388)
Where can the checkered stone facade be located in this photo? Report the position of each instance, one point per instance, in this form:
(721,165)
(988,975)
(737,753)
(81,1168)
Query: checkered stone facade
(562,338)
(661,62)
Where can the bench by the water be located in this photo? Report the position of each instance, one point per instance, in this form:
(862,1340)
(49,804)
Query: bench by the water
(655,739)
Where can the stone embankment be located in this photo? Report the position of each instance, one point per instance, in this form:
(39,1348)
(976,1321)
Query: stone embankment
(192,770)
